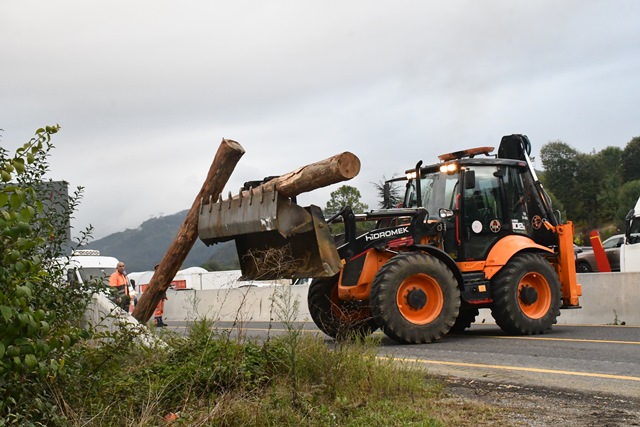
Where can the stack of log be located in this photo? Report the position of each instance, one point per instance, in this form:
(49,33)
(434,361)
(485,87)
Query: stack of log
(338,168)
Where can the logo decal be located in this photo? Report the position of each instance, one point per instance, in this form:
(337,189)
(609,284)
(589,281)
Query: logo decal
(387,233)
(536,222)
(517,225)
(495,225)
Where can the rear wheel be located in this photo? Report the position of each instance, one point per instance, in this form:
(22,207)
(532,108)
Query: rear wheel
(526,295)
(337,318)
(415,298)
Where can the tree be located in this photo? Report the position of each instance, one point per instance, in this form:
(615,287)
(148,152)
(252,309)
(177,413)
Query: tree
(345,196)
(588,178)
(609,161)
(627,198)
(586,184)
(631,160)
(560,162)
(39,314)
(395,193)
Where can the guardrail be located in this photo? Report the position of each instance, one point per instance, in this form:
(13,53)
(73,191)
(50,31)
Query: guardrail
(608,299)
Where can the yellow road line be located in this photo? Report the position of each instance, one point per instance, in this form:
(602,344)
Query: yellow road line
(555,339)
(590,325)
(517,368)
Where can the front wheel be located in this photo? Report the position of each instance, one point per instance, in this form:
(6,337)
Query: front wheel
(583,267)
(526,295)
(337,318)
(415,298)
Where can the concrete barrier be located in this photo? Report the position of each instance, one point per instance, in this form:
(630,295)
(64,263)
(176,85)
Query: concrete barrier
(102,315)
(240,304)
(607,299)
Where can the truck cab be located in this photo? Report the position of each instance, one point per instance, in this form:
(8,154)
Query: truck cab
(87,264)
(630,250)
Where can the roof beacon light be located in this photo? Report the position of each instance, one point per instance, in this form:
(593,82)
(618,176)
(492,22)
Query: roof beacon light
(471,152)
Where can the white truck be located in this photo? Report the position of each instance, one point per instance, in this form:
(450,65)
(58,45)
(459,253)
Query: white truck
(86,264)
(630,250)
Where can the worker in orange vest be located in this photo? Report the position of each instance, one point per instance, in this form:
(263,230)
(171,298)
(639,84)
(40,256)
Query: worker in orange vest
(119,282)
(159,311)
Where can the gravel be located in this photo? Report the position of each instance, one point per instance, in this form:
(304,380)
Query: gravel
(525,405)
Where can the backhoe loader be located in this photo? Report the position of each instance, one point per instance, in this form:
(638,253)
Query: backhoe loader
(475,230)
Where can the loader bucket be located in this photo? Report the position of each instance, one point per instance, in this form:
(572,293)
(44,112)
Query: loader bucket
(275,238)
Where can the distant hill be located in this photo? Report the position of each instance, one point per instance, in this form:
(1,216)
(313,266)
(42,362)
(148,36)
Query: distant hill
(141,249)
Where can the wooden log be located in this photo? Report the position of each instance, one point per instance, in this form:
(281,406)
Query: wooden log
(341,167)
(224,162)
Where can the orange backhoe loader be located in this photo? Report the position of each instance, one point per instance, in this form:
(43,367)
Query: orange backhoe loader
(475,230)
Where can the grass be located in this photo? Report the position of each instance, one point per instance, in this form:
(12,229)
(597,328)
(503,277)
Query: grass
(208,378)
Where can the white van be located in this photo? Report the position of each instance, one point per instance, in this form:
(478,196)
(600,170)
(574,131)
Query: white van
(86,264)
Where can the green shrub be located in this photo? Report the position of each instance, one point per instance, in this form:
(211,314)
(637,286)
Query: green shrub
(38,316)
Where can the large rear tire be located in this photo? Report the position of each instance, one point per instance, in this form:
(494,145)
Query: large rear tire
(415,298)
(337,318)
(526,295)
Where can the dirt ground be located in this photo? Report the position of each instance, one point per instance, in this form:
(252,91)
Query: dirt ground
(538,406)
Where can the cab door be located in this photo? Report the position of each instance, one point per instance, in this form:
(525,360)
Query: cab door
(486,218)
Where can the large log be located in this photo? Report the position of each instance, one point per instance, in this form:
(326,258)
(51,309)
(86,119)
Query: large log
(224,162)
(341,167)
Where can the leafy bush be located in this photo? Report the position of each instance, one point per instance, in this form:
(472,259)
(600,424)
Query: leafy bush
(38,316)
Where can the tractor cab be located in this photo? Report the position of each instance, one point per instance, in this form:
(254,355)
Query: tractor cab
(481,198)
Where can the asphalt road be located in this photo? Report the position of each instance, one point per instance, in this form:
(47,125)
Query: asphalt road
(597,359)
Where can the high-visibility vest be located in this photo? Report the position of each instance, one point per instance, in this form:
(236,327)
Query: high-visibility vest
(159,311)
(120,282)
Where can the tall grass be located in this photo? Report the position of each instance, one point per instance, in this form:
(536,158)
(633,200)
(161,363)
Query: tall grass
(208,378)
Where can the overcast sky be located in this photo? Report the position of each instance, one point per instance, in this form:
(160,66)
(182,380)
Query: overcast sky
(144,91)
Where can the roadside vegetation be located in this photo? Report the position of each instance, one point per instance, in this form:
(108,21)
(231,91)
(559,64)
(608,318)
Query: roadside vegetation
(594,190)
(210,377)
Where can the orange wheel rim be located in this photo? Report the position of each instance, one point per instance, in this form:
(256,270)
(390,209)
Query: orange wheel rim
(534,295)
(342,311)
(420,299)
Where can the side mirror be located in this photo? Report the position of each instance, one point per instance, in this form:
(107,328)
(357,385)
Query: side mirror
(445,213)
(628,220)
(469,180)
(133,284)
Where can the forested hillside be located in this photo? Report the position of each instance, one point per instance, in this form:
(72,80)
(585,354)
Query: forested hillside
(144,247)
(594,190)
